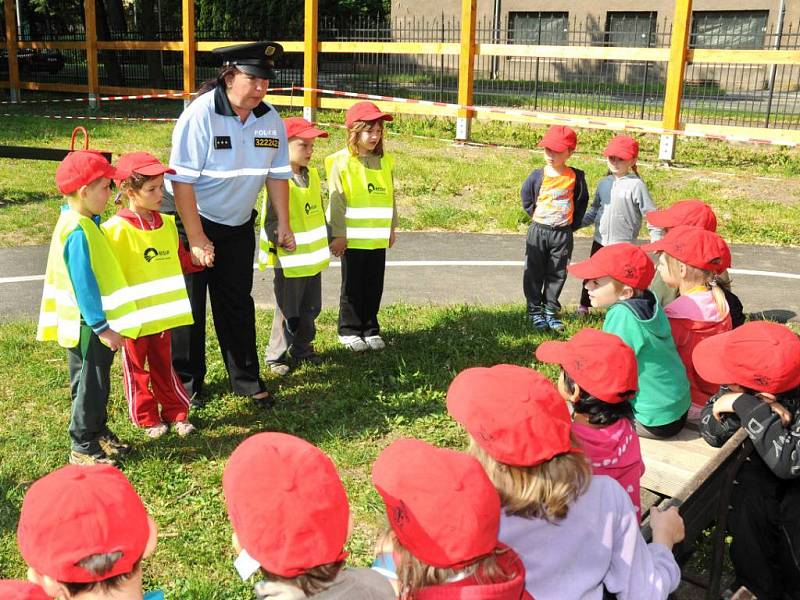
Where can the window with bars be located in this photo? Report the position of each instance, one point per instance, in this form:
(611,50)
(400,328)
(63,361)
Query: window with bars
(631,29)
(541,28)
(733,29)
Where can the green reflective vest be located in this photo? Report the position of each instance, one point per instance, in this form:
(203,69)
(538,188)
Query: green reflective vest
(307,220)
(370,199)
(59,316)
(152,267)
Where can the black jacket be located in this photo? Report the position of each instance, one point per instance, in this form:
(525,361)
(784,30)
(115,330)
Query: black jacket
(580,197)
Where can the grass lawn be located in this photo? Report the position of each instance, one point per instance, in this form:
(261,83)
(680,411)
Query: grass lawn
(351,407)
(755,191)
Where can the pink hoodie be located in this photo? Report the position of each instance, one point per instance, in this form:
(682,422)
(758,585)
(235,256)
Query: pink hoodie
(693,318)
(614,451)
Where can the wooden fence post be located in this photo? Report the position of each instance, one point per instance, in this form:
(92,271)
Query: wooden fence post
(466,69)
(678,50)
(11,48)
(310,59)
(189,49)
(92,75)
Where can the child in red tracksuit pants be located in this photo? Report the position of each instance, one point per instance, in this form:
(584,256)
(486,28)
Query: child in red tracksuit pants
(153,261)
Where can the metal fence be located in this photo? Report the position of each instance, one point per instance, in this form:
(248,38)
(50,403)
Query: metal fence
(361,55)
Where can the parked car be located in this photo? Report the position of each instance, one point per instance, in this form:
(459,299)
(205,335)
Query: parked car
(33,60)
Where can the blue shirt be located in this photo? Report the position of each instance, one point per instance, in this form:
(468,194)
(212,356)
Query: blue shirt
(154,595)
(84,283)
(227,161)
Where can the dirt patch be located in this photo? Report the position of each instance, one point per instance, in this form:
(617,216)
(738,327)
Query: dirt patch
(784,190)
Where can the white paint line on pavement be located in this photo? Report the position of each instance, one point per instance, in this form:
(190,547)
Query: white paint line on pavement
(456,263)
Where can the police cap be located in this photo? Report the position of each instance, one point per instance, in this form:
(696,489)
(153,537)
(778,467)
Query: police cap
(257,59)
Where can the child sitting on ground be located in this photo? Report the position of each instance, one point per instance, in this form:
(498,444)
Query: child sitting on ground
(758,365)
(555,196)
(598,378)
(575,532)
(690,261)
(83,531)
(444,515)
(291,519)
(153,259)
(695,213)
(617,277)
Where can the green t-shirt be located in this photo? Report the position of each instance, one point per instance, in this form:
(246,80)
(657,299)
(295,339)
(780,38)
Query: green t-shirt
(663,395)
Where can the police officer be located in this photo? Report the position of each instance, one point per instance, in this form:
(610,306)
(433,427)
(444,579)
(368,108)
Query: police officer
(226,145)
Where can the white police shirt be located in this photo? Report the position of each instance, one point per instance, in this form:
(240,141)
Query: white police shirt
(227,161)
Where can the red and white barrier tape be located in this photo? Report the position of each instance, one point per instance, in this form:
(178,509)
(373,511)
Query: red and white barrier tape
(134,97)
(593,122)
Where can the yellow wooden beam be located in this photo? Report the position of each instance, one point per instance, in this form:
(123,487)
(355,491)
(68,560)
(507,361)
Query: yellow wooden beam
(745,57)
(53,45)
(583,52)
(209,46)
(391,47)
(678,49)
(310,55)
(91,46)
(189,45)
(11,44)
(54,87)
(112,90)
(466,57)
(392,107)
(745,134)
(132,45)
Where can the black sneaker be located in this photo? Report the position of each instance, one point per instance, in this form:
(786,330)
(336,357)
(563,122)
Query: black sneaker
(553,322)
(113,446)
(101,458)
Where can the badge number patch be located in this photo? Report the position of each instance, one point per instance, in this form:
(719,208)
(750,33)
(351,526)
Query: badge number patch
(266,142)
(222,142)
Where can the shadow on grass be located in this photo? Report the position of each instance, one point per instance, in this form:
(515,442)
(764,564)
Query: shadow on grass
(13,197)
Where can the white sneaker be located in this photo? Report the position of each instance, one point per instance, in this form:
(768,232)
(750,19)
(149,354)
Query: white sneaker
(156,431)
(353,342)
(375,342)
(183,428)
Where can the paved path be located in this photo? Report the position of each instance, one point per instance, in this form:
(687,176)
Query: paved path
(472,268)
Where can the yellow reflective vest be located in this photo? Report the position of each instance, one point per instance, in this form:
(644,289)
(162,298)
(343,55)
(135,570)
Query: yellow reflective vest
(307,221)
(59,316)
(152,267)
(370,199)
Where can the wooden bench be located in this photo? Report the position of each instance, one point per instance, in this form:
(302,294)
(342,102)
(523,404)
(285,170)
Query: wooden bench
(686,472)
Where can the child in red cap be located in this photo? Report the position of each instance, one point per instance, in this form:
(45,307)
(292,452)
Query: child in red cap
(616,277)
(92,543)
(620,202)
(444,515)
(87,305)
(695,213)
(576,533)
(291,519)
(758,367)
(153,260)
(298,279)
(363,218)
(598,378)
(555,196)
(21,590)
(690,260)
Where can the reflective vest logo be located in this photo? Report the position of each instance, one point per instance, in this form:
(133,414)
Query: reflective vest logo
(307,208)
(371,187)
(151,253)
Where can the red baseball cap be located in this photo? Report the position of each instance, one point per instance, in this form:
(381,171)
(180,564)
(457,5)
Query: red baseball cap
(143,163)
(692,212)
(440,503)
(82,167)
(624,262)
(759,355)
(694,246)
(286,503)
(601,363)
(78,511)
(515,414)
(21,590)
(622,146)
(299,127)
(559,138)
(365,111)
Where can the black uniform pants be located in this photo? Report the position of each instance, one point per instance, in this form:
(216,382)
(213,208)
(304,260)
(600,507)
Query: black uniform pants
(547,254)
(584,292)
(362,290)
(89,381)
(229,284)
(765,525)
